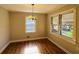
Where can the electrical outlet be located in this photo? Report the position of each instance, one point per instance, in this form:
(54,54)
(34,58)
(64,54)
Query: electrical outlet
(28,36)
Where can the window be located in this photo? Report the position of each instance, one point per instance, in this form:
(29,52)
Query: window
(67,25)
(63,24)
(54,23)
(30,25)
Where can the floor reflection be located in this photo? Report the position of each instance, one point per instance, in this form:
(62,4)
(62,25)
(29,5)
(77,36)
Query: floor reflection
(31,49)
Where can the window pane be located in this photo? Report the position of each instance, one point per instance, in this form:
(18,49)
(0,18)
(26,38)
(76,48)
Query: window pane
(67,25)
(30,25)
(54,21)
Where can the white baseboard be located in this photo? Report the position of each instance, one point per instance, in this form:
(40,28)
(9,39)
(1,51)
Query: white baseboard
(59,46)
(4,47)
(27,39)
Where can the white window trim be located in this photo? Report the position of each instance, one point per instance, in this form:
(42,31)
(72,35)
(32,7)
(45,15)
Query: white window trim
(71,40)
(26,27)
(57,25)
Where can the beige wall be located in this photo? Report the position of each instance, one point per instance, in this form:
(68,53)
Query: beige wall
(73,48)
(17,23)
(4,27)
(17,28)
(77,17)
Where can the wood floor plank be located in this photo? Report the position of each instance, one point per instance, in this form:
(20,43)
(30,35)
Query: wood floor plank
(43,46)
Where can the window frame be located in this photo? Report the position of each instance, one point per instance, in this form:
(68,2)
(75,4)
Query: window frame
(35,26)
(52,23)
(73,39)
(62,22)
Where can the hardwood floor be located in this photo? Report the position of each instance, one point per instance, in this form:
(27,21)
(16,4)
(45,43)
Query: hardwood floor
(43,46)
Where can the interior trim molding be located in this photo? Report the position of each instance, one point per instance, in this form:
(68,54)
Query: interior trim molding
(3,48)
(59,46)
(27,39)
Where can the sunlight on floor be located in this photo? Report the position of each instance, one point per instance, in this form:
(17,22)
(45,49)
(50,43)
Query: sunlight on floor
(31,50)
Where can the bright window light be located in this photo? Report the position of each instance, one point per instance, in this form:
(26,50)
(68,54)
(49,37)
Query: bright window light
(30,25)
(31,50)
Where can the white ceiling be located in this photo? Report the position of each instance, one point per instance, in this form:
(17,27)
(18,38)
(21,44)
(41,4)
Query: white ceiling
(38,8)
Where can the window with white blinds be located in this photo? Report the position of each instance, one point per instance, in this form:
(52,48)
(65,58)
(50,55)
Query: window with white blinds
(30,25)
(67,24)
